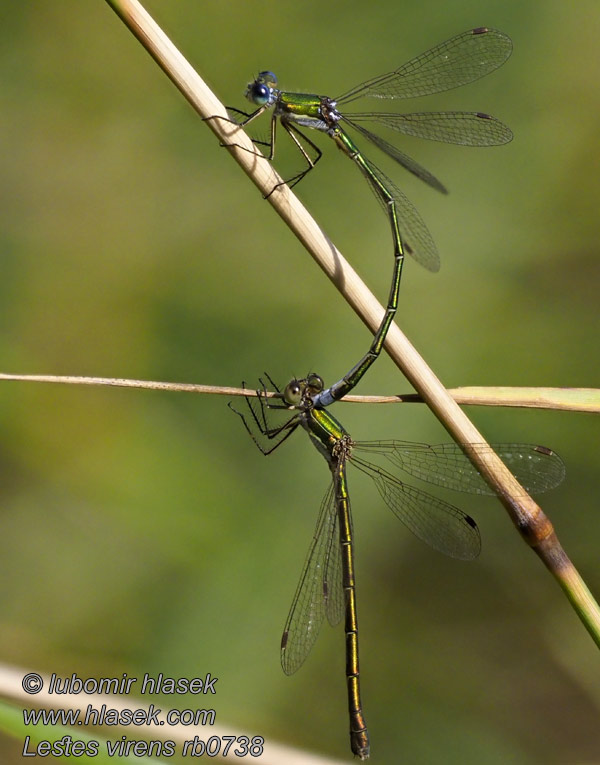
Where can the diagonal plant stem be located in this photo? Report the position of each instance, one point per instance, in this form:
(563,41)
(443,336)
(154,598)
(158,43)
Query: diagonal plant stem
(528,517)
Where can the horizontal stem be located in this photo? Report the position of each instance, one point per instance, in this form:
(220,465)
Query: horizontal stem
(570,399)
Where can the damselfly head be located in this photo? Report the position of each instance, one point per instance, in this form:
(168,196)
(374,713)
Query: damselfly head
(260,92)
(299,392)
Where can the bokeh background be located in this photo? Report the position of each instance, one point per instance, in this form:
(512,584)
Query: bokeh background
(141,531)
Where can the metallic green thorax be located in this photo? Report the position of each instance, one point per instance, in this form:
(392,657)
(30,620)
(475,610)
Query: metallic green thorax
(299,104)
(325,432)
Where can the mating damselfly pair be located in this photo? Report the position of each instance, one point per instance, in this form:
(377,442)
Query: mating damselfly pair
(327,583)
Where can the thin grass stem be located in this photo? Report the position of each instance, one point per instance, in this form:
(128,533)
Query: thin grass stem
(558,399)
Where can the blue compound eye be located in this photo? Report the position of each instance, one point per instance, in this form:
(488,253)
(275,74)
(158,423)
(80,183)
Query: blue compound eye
(259,93)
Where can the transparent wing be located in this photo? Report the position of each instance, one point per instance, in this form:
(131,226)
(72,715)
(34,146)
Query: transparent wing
(463,59)
(462,128)
(416,238)
(308,607)
(332,579)
(537,468)
(403,159)
(439,524)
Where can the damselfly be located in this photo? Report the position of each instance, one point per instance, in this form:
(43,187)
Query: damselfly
(327,584)
(458,61)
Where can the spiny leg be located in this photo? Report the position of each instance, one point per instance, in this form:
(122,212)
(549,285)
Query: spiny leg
(279,434)
(249,117)
(290,130)
(242,123)
(291,182)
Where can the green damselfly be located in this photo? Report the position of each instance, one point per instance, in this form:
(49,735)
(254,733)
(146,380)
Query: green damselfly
(458,61)
(462,59)
(327,584)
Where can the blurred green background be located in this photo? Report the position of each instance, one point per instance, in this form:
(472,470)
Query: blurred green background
(142,531)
